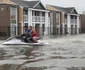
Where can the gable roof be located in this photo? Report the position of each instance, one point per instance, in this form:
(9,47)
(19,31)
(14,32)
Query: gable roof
(63,9)
(31,4)
(58,8)
(69,9)
(19,2)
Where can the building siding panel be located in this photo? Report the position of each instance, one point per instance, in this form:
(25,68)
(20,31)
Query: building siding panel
(82,17)
(50,8)
(4,19)
(54,23)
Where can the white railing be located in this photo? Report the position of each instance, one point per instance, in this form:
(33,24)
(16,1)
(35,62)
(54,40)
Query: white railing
(35,18)
(25,17)
(38,19)
(73,21)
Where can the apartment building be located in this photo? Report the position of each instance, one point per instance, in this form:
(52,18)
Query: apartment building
(8,18)
(15,14)
(64,20)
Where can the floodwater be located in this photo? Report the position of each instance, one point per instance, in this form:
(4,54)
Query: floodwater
(61,53)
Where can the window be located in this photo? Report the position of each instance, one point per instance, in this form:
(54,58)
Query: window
(13,14)
(37,13)
(72,17)
(58,18)
(25,12)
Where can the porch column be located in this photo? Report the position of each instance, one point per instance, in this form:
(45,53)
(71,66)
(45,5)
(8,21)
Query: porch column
(49,25)
(63,23)
(29,17)
(74,25)
(22,23)
(51,22)
(78,24)
(46,23)
(16,23)
(59,24)
(41,23)
(68,24)
(41,29)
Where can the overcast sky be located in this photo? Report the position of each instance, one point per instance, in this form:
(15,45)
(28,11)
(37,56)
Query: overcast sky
(78,4)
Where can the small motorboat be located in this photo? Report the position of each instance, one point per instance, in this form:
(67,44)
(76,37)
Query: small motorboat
(18,40)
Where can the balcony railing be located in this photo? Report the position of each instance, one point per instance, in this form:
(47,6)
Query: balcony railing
(35,18)
(73,21)
(38,19)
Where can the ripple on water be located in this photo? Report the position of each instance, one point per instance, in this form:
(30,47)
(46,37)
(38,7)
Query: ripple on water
(66,53)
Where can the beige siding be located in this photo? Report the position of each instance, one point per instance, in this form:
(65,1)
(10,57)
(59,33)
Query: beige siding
(83,13)
(50,8)
(20,14)
(4,21)
(62,18)
(7,2)
(54,23)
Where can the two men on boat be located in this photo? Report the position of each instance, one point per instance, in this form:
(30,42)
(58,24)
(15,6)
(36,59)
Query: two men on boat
(31,33)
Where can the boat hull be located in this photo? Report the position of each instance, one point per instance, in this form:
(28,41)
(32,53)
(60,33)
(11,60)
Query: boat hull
(15,41)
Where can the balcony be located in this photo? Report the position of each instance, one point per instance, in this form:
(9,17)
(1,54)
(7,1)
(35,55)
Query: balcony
(35,18)
(38,19)
(73,21)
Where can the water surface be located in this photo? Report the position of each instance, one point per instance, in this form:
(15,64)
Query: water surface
(62,53)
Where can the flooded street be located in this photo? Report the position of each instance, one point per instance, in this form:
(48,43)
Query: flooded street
(61,53)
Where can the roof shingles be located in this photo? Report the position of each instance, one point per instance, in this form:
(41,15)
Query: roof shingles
(63,9)
(19,2)
(31,4)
